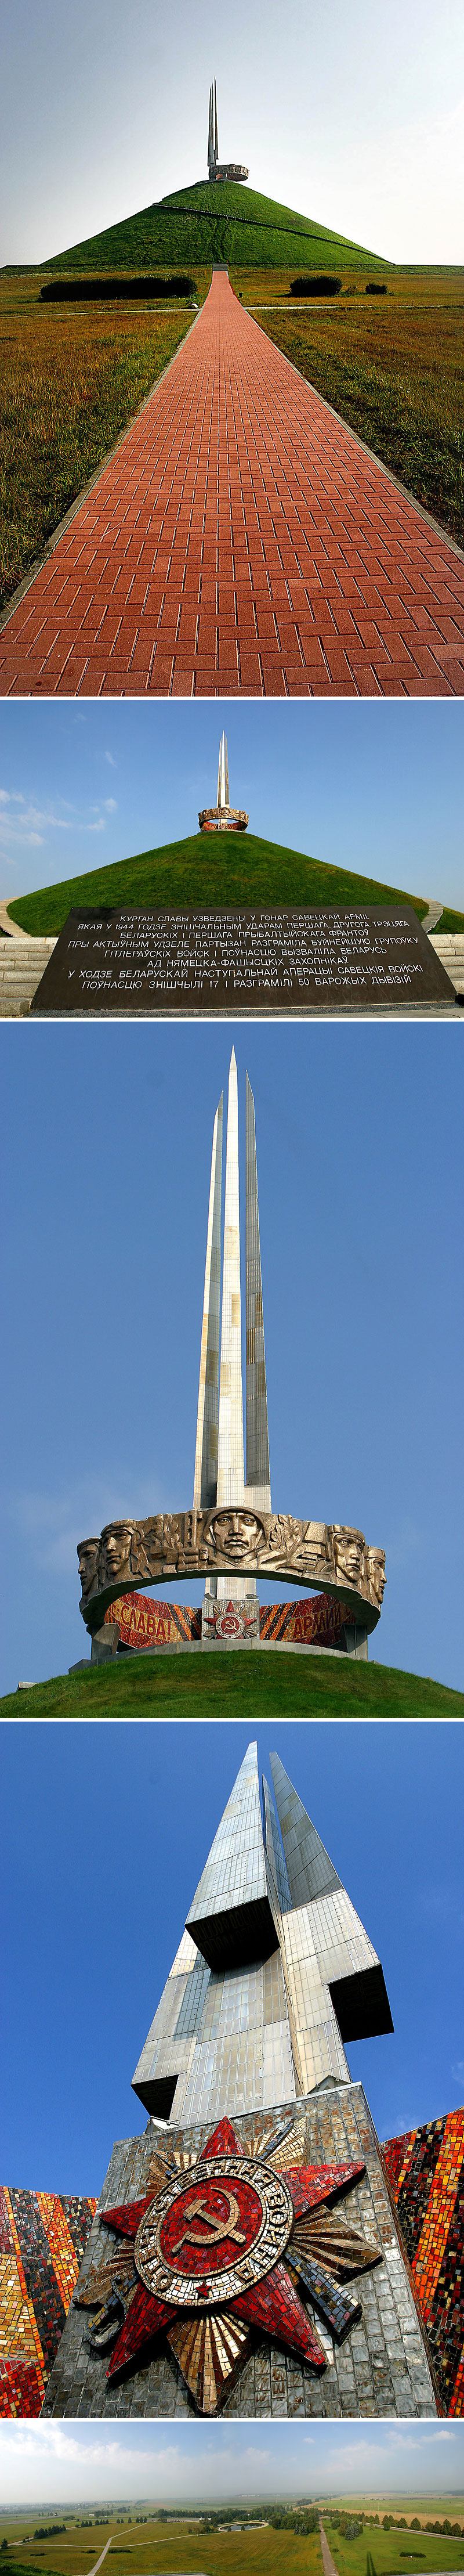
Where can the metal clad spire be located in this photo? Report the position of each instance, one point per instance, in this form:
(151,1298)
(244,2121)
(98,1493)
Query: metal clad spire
(231,1476)
(258,1486)
(275,1856)
(206,1453)
(310,1871)
(216,148)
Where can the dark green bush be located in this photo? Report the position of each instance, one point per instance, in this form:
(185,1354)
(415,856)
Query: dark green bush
(375,288)
(94,290)
(315,285)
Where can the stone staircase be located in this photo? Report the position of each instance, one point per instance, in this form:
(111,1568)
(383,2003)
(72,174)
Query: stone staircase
(449,945)
(22,963)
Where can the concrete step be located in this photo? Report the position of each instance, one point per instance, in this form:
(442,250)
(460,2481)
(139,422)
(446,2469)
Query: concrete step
(449,945)
(22,963)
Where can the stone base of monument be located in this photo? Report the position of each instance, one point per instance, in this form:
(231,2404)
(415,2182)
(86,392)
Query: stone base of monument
(374,2362)
(230,1623)
(105,1642)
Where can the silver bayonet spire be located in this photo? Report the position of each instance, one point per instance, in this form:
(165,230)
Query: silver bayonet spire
(258,1486)
(206,1454)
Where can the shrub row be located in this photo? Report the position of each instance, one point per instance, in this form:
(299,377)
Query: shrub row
(91,290)
(315,285)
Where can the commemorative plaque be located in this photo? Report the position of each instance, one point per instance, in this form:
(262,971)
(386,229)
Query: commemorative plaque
(241,963)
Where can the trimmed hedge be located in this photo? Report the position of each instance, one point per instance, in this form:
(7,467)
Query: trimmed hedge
(91,290)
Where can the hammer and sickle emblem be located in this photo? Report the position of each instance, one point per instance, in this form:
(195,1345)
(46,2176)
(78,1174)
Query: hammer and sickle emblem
(213,2229)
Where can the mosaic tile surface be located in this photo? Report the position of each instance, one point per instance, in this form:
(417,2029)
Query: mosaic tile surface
(318,1622)
(154,1623)
(143,1622)
(42,2242)
(426,2174)
(381,2370)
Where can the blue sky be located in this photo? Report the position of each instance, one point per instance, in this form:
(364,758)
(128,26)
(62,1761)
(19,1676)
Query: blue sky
(106,1153)
(105,1832)
(377,788)
(77,2463)
(358,133)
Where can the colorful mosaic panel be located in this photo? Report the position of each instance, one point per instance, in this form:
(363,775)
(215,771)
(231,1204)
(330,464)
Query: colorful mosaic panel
(318,1622)
(145,1623)
(42,2241)
(154,1623)
(426,2175)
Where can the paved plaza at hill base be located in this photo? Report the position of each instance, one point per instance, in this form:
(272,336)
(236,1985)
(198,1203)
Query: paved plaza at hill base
(240,539)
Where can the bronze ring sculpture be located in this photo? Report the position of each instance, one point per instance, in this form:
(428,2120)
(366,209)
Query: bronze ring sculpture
(173,1546)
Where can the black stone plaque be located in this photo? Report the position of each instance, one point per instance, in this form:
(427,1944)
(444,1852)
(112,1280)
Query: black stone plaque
(239,963)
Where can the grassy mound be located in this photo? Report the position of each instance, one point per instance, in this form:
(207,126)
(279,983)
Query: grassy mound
(268,1687)
(228,223)
(209,868)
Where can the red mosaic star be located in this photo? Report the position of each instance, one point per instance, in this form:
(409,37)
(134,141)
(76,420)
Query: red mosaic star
(209,2250)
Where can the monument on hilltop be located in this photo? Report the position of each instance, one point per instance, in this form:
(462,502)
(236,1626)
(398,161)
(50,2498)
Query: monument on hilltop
(219,169)
(231,1537)
(246,2252)
(222,817)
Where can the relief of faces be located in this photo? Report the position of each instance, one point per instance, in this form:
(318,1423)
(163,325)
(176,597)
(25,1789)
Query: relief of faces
(88,1554)
(116,1545)
(237,1534)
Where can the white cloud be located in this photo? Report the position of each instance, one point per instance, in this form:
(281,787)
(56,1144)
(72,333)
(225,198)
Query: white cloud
(24,824)
(67,2463)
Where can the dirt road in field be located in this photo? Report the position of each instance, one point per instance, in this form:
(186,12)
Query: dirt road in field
(99,2561)
(240,540)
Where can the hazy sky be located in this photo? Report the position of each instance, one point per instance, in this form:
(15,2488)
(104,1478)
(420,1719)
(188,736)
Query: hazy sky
(66,2463)
(352,120)
(106,1832)
(107,1133)
(377,788)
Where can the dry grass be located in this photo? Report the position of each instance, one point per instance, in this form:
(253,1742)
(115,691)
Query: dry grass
(177,2549)
(393,366)
(71,380)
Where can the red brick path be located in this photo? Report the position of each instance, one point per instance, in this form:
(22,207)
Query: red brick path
(241,539)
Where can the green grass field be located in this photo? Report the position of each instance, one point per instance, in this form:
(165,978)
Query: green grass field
(229,223)
(210,869)
(393,367)
(431,2508)
(180,2549)
(262,1687)
(393,2553)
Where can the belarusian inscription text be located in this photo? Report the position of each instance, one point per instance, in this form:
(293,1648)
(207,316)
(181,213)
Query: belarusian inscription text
(242,961)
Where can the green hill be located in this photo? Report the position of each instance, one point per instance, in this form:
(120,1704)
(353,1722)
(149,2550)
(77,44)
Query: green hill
(269,1687)
(207,224)
(209,868)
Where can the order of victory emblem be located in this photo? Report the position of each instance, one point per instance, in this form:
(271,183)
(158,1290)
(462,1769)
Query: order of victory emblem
(228,2246)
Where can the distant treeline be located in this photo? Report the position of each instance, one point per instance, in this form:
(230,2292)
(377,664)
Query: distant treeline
(315,285)
(390,2522)
(92,290)
(300,2518)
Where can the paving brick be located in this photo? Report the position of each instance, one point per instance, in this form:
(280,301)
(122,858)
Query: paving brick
(237,474)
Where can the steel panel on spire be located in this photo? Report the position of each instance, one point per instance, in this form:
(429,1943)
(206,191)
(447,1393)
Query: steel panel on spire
(231,1472)
(258,1483)
(206,1453)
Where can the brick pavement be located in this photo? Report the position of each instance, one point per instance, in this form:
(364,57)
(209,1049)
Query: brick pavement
(240,539)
